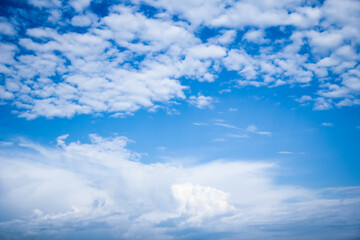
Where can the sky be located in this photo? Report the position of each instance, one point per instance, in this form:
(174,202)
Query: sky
(192,119)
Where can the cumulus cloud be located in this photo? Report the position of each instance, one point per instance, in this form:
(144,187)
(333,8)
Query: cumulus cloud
(256,36)
(80,5)
(83,20)
(199,202)
(63,189)
(6,28)
(74,73)
(201,101)
(127,59)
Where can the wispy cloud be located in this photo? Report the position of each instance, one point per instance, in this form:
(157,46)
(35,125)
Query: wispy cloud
(242,135)
(225,125)
(254,129)
(237,132)
(200,124)
(285,152)
(327,124)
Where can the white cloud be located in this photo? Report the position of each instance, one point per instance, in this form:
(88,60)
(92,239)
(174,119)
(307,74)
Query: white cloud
(266,13)
(256,36)
(6,143)
(79,5)
(323,42)
(201,101)
(285,152)
(227,37)
(200,124)
(5,94)
(203,51)
(140,60)
(93,73)
(242,135)
(55,189)
(327,124)
(236,60)
(6,27)
(348,102)
(225,125)
(197,12)
(83,20)
(353,83)
(7,53)
(45,3)
(322,104)
(254,129)
(199,202)
(334,91)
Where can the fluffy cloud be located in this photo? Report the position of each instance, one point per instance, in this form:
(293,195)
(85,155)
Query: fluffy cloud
(103,186)
(74,73)
(79,5)
(199,202)
(201,101)
(6,28)
(256,36)
(130,57)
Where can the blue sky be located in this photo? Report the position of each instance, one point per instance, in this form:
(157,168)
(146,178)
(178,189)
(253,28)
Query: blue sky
(179,120)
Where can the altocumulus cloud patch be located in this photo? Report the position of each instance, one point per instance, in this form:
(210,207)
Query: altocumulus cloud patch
(74,189)
(84,57)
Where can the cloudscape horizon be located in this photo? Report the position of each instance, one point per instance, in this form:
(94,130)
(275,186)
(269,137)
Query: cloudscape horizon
(154,119)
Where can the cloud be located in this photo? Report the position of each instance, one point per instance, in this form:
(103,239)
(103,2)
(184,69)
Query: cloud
(127,59)
(199,202)
(322,104)
(79,5)
(83,20)
(6,28)
(5,143)
(225,125)
(200,124)
(254,129)
(241,135)
(72,187)
(87,73)
(239,132)
(225,38)
(327,124)
(201,101)
(285,152)
(256,36)
(197,13)
(45,3)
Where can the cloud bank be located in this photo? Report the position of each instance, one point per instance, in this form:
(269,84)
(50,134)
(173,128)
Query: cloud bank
(101,188)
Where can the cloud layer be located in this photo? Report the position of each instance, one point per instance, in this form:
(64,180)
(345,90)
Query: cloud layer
(81,57)
(103,188)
